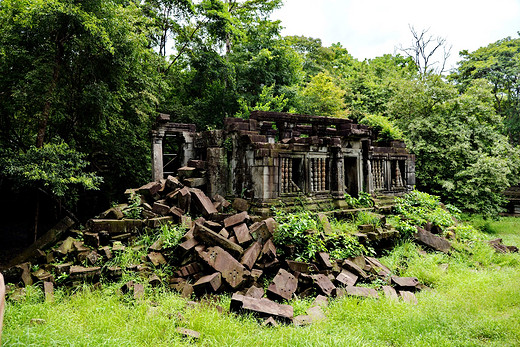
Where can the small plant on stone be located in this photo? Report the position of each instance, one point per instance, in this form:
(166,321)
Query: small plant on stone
(134,209)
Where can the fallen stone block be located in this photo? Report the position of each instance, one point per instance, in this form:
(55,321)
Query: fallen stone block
(203,203)
(242,233)
(324,220)
(320,300)
(208,284)
(156,258)
(115,226)
(390,292)
(26,273)
(48,289)
(251,255)
(323,260)
(300,266)
(93,257)
(81,272)
(138,291)
(284,285)
(270,322)
(324,284)
(358,291)
(241,205)
(255,292)
(91,239)
(377,267)
(67,246)
(216,227)
(173,183)
(260,231)
(355,269)
(232,271)
(435,242)
(501,248)
(160,209)
(405,283)
(189,244)
(195,182)
(212,238)
(302,320)
(188,333)
(189,269)
(316,313)
(149,189)
(408,297)
(185,172)
(346,278)
(236,219)
(263,307)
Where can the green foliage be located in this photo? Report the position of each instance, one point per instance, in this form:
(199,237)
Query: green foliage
(54,167)
(460,152)
(321,96)
(134,209)
(363,200)
(418,208)
(368,218)
(171,234)
(385,128)
(300,229)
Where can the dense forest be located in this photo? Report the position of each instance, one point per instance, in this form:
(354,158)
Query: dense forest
(81,83)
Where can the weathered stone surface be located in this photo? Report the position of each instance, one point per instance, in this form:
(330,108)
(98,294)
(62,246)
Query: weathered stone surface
(157,245)
(156,258)
(203,203)
(300,266)
(223,202)
(269,250)
(189,269)
(262,307)
(346,278)
(358,291)
(405,282)
(242,233)
(66,246)
(210,283)
(118,247)
(232,271)
(501,248)
(284,285)
(224,233)
(241,205)
(377,267)
(91,239)
(189,244)
(324,284)
(184,199)
(433,241)
(216,227)
(408,297)
(324,220)
(390,292)
(188,333)
(195,182)
(316,313)
(172,183)
(26,273)
(149,189)
(48,289)
(160,209)
(77,272)
(79,246)
(302,320)
(251,255)
(186,172)
(115,226)
(154,280)
(271,225)
(355,269)
(235,219)
(320,300)
(92,257)
(138,291)
(212,238)
(270,322)
(323,260)
(255,292)
(260,231)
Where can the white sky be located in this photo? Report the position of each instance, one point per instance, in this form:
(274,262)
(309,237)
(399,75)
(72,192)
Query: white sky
(371,28)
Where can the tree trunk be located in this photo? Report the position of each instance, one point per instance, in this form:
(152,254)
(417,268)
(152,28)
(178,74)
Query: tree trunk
(44,118)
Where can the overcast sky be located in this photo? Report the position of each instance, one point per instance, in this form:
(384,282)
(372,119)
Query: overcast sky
(371,28)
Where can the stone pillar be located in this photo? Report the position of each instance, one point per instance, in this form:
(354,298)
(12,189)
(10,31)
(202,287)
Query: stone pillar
(157,155)
(217,171)
(367,175)
(337,170)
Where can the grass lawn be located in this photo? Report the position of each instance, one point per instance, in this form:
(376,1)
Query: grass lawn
(474,301)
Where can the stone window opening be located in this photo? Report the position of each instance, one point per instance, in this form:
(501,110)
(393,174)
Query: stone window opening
(319,175)
(292,175)
(398,168)
(379,173)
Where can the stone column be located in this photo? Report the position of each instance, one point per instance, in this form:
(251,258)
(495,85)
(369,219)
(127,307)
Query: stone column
(337,170)
(157,155)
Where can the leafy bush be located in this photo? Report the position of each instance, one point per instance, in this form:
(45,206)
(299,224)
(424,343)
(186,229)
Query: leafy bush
(418,208)
(385,127)
(171,234)
(364,200)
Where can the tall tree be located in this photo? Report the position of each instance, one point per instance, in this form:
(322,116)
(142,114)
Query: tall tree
(499,64)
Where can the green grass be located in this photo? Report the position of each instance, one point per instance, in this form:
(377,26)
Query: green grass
(474,301)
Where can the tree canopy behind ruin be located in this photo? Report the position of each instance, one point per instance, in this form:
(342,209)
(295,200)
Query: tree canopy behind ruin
(93,74)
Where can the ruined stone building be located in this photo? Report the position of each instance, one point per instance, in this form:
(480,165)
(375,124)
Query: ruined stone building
(278,156)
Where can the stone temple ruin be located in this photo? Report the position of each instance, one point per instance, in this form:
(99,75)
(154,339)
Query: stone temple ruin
(274,157)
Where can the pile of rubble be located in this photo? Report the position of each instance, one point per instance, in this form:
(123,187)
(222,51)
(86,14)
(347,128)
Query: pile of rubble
(224,250)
